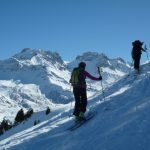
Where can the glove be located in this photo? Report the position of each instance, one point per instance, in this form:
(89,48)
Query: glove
(100,78)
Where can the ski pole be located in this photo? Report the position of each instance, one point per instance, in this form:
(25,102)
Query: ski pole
(146,50)
(147,56)
(71,102)
(99,71)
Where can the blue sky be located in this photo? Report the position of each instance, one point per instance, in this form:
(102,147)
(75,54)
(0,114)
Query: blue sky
(72,27)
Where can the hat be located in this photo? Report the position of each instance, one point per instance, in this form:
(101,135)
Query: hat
(82,64)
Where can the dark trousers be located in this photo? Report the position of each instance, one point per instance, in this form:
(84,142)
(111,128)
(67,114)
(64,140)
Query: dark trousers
(137,62)
(80,100)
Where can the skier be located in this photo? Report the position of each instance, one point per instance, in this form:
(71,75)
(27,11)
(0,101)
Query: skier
(78,82)
(136,54)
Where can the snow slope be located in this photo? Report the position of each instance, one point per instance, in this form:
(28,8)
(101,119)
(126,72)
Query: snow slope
(123,126)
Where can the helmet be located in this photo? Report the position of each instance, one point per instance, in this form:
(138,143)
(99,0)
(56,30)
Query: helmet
(82,65)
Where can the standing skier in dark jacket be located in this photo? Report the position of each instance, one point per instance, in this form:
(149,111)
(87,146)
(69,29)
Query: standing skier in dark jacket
(79,89)
(136,54)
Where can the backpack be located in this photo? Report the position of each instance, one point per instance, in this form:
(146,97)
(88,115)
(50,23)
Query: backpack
(77,77)
(136,50)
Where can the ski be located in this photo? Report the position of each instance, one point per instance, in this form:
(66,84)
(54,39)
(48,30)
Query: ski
(79,124)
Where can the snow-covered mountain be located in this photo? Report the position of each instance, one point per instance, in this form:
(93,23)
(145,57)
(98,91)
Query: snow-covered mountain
(38,78)
(124,125)
(111,69)
(32,79)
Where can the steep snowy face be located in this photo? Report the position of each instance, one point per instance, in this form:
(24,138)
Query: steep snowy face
(120,65)
(99,59)
(45,69)
(90,56)
(15,95)
(30,58)
(38,57)
(111,69)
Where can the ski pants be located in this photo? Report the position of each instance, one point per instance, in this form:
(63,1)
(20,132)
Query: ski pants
(137,62)
(80,100)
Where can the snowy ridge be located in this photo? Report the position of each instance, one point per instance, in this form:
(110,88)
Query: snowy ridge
(112,69)
(42,69)
(125,125)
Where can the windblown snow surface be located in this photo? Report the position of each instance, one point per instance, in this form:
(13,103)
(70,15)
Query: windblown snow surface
(122,121)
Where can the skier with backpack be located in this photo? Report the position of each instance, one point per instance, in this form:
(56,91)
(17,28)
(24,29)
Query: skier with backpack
(136,54)
(78,82)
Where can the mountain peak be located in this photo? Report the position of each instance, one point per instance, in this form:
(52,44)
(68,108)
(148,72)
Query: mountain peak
(89,56)
(38,55)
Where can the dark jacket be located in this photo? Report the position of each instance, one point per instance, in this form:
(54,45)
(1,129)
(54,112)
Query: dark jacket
(137,49)
(82,77)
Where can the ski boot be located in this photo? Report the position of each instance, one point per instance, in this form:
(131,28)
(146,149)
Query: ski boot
(77,119)
(82,116)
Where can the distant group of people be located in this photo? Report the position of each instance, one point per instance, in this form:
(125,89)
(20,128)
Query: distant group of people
(79,75)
